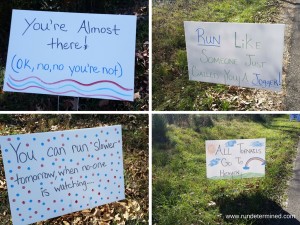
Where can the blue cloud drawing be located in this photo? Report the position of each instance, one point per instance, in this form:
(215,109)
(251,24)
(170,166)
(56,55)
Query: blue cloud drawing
(230,143)
(214,162)
(257,144)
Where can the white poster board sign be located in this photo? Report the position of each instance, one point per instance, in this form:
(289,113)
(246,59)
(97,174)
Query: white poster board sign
(246,55)
(56,173)
(71,54)
(231,159)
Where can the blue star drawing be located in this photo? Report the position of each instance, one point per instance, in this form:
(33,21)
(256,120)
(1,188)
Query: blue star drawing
(230,143)
(214,162)
(257,144)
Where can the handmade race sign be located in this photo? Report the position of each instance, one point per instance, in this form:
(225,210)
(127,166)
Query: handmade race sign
(230,159)
(246,55)
(71,54)
(56,173)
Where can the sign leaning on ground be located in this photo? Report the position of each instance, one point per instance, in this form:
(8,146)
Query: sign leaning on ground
(231,159)
(246,55)
(56,173)
(71,54)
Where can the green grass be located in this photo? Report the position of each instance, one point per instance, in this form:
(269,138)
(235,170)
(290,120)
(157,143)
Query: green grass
(172,89)
(182,194)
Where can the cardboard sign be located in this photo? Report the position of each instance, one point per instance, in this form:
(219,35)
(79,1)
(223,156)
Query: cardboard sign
(56,173)
(230,159)
(246,55)
(71,54)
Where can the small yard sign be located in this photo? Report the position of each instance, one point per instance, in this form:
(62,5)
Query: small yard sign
(229,159)
(295,117)
(246,55)
(56,173)
(71,54)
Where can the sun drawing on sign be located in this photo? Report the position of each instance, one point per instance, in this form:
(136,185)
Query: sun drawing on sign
(211,149)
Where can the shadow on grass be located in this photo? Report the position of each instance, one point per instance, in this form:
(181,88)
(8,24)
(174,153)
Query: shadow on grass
(290,2)
(254,205)
(283,128)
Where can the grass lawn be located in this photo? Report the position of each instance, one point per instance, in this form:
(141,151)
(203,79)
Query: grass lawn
(172,89)
(183,195)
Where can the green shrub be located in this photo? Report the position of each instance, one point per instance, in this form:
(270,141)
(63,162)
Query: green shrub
(199,121)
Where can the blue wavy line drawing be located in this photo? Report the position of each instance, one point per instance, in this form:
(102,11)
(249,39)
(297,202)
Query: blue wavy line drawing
(67,85)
